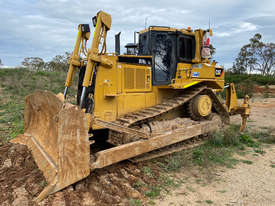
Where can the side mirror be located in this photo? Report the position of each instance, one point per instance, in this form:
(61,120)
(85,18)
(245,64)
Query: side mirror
(94,20)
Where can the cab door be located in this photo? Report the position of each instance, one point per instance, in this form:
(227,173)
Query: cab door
(164,63)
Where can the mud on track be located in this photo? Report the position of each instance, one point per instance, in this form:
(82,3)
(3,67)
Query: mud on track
(21,181)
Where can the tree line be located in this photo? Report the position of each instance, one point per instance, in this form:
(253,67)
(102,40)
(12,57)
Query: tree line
(58,63)
(255,57)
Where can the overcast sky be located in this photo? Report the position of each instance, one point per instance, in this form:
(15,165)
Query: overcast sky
(45,28)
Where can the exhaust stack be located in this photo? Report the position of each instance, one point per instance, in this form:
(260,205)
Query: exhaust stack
(117,43)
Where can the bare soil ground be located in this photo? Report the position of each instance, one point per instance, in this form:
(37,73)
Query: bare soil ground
(21,181)
(20,178)
(262,114)
(249,183)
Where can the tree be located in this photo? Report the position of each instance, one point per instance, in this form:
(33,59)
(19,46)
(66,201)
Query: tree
(59,62)
(267,59)
(33,63)
(256,56)
(243,62)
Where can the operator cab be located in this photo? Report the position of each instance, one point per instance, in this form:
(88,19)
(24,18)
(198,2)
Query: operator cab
(168,47)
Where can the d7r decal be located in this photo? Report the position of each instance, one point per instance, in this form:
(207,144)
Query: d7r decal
(195,74)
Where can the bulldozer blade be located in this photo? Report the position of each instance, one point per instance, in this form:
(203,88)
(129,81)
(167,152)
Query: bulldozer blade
(57,135)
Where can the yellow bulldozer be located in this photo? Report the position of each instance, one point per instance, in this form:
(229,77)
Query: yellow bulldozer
(157,98)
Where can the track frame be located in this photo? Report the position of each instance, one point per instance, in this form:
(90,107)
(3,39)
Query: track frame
(119,153)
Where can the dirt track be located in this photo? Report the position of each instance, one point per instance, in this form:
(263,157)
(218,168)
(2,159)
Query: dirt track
(246,184)
(262,114)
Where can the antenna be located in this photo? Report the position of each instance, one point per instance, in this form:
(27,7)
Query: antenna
(209,23)
(145,21)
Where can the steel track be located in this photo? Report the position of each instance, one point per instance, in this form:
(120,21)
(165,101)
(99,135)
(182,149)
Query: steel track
(152,113)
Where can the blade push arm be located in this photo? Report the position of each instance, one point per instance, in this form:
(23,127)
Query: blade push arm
(82,36)
(103,24)
(234,108)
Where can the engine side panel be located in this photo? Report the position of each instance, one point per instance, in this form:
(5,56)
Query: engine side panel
(127,87)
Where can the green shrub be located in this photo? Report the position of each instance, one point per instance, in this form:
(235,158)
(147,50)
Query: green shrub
(226,137)
(256,78)
(244,83)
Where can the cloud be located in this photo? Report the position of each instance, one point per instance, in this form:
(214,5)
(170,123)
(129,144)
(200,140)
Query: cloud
(241,27)
(262,20)
(245,26)
(46,28)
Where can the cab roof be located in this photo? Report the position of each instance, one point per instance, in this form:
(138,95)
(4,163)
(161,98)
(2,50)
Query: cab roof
(166,28)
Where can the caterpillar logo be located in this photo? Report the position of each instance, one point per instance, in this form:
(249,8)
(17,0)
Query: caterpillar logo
(218,72)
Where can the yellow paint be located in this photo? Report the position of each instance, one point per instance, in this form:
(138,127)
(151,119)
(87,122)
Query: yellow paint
(126,87)
(231,98)
(74,60)
(184,76)
(191,84)
(204,105)
(121,87)
(95,27)
(102,26)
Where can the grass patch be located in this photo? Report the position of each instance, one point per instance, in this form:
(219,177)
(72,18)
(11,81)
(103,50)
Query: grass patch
(147,171)
(164,183)
(135,202)
(191,189)
(248,141)
(259,151)
(264,136)
(153,192)
(13,117)
(209,201)
(218,150)
(247,162)
(15,85)
(182,193)
(138,184)
(173,162)
(220,147)
(221,191)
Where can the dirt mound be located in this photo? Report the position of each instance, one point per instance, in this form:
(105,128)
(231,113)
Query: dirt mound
(264,89)
(114,185)
(21,181)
